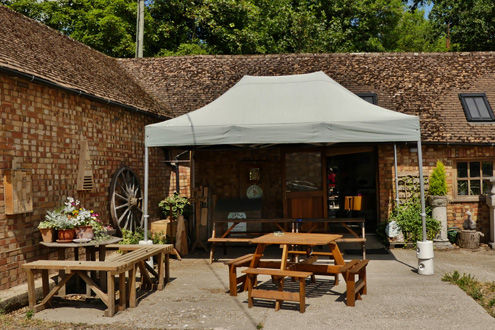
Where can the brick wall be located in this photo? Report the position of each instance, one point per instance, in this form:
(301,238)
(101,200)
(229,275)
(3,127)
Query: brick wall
(408,165)
(41,129)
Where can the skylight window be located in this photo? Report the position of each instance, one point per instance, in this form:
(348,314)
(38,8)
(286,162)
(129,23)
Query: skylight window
(476,107)
(369,97)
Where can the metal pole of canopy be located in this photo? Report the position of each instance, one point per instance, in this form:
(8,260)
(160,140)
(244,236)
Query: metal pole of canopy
(422,188)
(396,178)
(145,197)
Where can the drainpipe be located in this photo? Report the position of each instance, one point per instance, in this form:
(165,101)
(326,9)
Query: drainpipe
(396,178)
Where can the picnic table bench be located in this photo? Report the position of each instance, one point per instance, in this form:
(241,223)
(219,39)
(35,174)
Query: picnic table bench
(117,266)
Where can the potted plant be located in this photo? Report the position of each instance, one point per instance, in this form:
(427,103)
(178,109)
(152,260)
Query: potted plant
(47,229)
(179,205)
(438,201)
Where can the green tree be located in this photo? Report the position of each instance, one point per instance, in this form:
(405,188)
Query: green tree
(108,26)
(470,24)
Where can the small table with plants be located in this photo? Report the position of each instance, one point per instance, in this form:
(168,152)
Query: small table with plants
(76,227)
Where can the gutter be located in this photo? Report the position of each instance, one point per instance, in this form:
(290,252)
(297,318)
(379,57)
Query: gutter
(33,78)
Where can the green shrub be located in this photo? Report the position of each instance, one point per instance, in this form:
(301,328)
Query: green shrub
(438,181)
(408,218)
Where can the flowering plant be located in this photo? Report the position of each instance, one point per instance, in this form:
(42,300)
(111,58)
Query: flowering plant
(72,215)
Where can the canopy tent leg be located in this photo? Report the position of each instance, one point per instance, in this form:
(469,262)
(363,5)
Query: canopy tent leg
(425,247)
(145,197)
(396,178)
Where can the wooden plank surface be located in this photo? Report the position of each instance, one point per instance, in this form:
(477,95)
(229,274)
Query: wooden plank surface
(296,239)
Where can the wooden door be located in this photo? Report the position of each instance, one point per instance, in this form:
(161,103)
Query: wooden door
(304,193)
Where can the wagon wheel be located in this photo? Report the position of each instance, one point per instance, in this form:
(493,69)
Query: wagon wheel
(126,200)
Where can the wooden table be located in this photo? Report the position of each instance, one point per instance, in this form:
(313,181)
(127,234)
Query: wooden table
(300,239)
(231,236)
(286,240)
(91,248)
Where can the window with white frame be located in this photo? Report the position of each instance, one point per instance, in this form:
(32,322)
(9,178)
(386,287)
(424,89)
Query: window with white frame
(472,177)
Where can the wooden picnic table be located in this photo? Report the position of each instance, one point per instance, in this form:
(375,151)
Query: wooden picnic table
(232,236)
(287,267)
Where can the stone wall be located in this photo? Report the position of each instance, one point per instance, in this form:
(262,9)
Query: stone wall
(41,130)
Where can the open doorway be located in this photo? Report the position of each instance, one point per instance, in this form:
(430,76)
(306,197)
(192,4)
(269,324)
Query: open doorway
(353,174)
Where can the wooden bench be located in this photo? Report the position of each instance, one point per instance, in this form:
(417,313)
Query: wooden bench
(354,289)
(115,267)
(125,248)
(279,296)
(234,281)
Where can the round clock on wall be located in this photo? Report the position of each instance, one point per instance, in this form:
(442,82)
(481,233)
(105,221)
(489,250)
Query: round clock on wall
(254,191)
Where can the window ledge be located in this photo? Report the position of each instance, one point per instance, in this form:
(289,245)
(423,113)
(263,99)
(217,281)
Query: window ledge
(460,199)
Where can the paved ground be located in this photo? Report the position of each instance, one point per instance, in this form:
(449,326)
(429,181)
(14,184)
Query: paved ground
(398,298)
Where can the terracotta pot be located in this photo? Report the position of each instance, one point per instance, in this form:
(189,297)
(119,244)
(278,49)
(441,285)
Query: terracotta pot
(85,232)
(48,235)
(66,234)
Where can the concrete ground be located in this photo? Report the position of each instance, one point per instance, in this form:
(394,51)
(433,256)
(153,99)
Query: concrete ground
(398,298)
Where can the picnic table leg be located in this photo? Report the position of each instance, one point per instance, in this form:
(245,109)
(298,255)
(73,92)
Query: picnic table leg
(122,292)
(338,259)
(32,289)
(212,250)
(110,295)
(167,268)
(302,294)
(61,273)
(161,270)
(132,287)
(101,256)
(280,281)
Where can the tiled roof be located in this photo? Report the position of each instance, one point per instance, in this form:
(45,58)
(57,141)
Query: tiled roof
(32,48)
(425,84)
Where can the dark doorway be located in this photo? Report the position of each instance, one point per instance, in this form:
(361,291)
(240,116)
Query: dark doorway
(349,175)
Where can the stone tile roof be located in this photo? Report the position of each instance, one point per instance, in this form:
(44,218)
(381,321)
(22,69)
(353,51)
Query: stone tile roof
(34,49)
(425,84)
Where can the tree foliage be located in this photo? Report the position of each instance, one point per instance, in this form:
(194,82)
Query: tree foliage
(470,24)
(181,27)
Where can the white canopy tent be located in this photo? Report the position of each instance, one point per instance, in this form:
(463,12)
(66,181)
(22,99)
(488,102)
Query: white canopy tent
(298,109)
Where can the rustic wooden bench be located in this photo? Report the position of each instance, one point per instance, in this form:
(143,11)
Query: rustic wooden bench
(279,296)
(115,267)
(354,289)
(234,281)
(125,248)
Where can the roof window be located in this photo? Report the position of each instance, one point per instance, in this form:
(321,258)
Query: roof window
(369,97)
(476,107)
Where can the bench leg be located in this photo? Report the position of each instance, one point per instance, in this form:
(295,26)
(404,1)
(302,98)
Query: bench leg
(32,289)
(251,279)
(167,268)
(122,292)
(110,295)
(132,287)
(278,303)
(161,271)
(233,280)
(302,294)
(350,289)
(212,250)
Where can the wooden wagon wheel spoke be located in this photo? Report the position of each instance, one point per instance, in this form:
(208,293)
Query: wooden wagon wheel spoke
(126,200)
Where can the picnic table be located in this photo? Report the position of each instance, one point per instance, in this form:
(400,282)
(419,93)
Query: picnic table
(311,224)
(301,270)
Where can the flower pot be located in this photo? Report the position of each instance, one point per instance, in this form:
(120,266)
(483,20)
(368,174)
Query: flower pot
(85,232)
(66,235)
(48,235)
